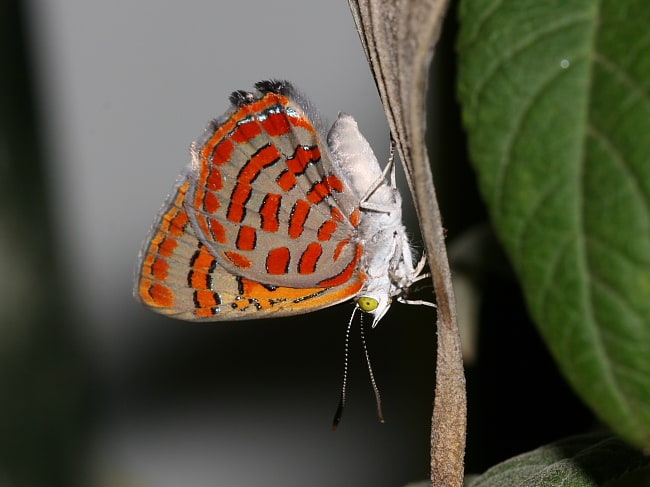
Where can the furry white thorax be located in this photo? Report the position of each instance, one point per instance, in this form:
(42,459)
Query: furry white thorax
(387,259)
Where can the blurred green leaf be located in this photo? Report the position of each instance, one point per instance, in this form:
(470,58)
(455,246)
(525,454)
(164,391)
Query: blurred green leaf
(556,102)
(581,461)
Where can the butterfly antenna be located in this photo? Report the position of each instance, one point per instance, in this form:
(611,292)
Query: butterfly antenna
(344,386)
(375,389)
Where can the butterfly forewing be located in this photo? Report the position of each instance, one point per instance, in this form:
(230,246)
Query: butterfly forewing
(265,198)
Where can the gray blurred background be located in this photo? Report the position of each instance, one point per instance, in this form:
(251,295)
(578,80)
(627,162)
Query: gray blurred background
(119,90)
(99,103)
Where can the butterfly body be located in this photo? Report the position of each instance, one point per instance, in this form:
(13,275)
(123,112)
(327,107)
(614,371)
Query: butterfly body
(273,217)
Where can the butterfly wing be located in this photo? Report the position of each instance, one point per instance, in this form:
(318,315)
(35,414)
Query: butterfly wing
(178,276)
(265,198)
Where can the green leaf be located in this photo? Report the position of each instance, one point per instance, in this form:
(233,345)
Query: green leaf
(581,461)
(556,102)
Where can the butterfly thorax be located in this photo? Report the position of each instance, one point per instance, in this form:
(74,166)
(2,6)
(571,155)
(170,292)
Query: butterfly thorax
(387,260)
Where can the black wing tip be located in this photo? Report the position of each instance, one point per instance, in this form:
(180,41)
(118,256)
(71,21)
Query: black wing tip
(240,98)
(279,86)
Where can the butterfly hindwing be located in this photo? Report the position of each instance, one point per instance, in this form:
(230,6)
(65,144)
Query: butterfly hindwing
(178,276)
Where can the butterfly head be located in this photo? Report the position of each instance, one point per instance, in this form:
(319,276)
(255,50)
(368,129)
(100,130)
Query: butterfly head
(375,305)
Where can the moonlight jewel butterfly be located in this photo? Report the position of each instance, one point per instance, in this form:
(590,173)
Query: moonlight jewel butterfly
(275,217)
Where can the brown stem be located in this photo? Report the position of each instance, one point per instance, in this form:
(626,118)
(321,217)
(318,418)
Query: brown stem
(398,37)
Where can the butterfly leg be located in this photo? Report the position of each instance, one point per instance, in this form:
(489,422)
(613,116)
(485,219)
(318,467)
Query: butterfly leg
(418,275)
(380,181)
(417,272)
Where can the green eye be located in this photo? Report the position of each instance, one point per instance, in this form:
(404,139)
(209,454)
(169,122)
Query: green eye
(367,304)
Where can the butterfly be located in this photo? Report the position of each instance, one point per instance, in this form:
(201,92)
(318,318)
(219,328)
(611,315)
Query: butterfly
(275,217)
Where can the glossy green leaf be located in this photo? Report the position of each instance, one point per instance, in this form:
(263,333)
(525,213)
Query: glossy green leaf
(556,102)
(581,461)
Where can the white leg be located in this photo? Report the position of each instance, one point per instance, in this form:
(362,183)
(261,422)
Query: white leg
(390,166)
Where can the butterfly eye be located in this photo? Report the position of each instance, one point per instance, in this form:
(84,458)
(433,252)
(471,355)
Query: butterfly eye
(367,304)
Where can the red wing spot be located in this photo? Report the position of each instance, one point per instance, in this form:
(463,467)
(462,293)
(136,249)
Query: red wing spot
(238,199)
(297,165)
(245,132)
(276,124)
(277,261)
(167,246)
(217,231)
(177,224)
(309,258)
(339,248)
(345,275)
(263,158)
(246,238)
(210,202)
(286,180)
(297,219)
(270,212)
(326,230)
(215,180)
(202,259)
(238,260)
(160,269)
(322,189)
(198,279)
(223,152)
(355,217)
(160,296)
(302,158)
